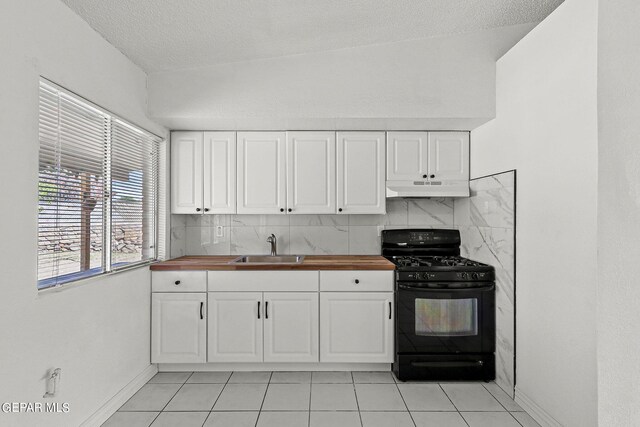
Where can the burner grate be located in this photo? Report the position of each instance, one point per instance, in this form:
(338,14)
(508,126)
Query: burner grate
(434,261)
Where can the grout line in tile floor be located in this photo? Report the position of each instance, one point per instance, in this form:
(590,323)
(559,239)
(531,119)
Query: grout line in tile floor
(217,398)
(495,398)
(403,401)
(454,405)
(353,383)
(500,403)
(266,390)
(169,401)
(310,390)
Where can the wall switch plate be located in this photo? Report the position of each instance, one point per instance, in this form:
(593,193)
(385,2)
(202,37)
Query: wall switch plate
(219,231)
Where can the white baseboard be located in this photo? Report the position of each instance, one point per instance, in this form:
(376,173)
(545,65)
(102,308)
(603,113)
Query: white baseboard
(537,413)
(113,404)
(212,367)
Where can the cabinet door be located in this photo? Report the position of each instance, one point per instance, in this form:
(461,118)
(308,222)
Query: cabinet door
(186,172)
(261,173)
(235,326)
(361,172)
(407,155)
(356,327)
(291,327)
(449,156)
(311,172)
(219,154)
(178,327)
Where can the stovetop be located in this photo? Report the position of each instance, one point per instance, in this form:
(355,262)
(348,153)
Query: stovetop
(430,255)
(426,262)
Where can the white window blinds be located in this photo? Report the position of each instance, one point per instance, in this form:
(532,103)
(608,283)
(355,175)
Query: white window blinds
(134,171)
(97,190)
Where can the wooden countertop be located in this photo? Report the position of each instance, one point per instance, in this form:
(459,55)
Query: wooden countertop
(310,262)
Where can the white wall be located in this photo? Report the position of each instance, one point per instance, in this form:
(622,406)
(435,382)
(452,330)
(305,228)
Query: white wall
(437,83)
(97,333)
(618,213)
(546,128)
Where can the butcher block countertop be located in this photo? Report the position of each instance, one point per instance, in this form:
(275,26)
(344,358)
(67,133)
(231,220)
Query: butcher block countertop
(310,262)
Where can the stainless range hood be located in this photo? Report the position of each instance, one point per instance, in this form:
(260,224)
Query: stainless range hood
(427,189)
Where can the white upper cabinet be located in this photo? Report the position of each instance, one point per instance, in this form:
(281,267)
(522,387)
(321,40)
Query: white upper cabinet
(361,172)
(407,155)
(433,156)
(428,164)
(186,172)
(261,173)
(219,155)
(203,172)
(311,172)
(449,156)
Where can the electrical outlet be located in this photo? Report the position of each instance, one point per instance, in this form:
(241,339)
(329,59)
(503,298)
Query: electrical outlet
(51,382)
(219,231)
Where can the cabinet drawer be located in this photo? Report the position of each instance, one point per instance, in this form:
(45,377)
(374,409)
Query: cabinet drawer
(178,281)
(356,281)
(263,281)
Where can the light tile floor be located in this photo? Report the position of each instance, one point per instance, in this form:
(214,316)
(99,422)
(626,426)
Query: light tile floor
(314,399)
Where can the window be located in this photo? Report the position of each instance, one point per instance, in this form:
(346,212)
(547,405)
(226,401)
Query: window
(97,205)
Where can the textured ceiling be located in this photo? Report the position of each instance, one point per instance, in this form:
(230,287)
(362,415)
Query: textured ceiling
(173,34)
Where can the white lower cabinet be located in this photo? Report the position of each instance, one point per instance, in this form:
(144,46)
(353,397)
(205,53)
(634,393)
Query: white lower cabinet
(272,317)
(263,327)
(179,329)
(356,327)
(235,327)
(291,327)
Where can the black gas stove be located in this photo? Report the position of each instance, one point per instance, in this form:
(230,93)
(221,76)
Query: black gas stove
(445,307)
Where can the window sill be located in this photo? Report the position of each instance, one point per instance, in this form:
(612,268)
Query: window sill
(90,279)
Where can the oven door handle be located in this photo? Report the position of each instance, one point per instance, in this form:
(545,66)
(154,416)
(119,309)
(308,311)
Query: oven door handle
(426,289)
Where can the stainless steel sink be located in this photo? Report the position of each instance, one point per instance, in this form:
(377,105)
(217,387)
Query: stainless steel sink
(268,259)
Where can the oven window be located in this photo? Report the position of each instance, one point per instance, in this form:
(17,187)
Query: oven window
(446,317)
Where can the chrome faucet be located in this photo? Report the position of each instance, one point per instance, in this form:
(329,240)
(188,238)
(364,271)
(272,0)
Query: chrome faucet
(274,242)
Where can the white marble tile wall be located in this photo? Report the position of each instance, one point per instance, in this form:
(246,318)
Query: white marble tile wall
(486,222)
(304,234)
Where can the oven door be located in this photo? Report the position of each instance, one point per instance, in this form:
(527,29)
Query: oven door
(445,320)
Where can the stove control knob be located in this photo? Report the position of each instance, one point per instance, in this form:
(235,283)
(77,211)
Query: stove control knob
(463,275)
(474,276)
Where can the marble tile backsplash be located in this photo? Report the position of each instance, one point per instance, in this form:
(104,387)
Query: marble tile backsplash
(304,234)
(486,222)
